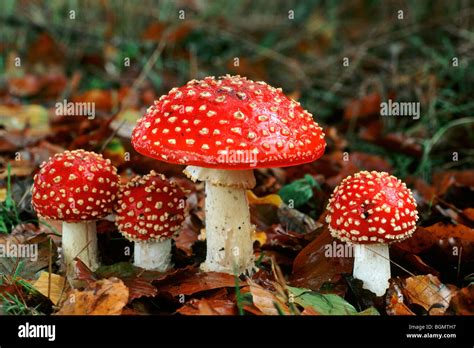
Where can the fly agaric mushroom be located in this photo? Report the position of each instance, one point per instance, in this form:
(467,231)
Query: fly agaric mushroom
(372,210)
(150,210)
(77,188)
(223,129)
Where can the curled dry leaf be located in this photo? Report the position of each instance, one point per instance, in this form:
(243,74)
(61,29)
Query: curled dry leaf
(208,307)
(446,231)
(277,235)
(137,280)
(190,282)
(428,292)
(188,235)
(395,300)
(267,302)
(104,297)
(463,302)
(314,266)
(442,181)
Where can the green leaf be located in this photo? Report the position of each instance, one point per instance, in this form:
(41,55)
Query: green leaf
(115,146)
(299,191)
(369,311)
(325,304)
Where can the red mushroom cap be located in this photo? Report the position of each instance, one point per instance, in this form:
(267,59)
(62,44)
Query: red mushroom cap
(229,123)
(74,186)
(372,208)
(150,208)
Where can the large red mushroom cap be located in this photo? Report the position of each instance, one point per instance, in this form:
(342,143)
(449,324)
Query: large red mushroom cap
(229,123)
(373,207)
(74,186)
(150,208)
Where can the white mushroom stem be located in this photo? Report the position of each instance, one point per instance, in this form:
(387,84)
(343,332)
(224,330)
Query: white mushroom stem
(228,228)
(153,256)
(372,266)
(79,239)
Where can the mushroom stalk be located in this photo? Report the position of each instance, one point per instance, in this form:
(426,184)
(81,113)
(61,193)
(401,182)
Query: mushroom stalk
(154,256)
(228,228)
(79,239)
(372,266)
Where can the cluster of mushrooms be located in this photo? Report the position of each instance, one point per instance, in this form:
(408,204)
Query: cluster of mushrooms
(222,129)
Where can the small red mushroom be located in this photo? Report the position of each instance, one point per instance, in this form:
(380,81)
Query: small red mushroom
(372,210)
(77,188)
(223,129)
(150,211)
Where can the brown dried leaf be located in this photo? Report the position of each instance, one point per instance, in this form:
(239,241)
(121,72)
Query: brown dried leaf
(309,311)
(366,106)
(102,99)
(463,302)
(52,286)
(265,301)
(104,297)
(208,307)
(312,268)
(191,282)
(443,180)
(394,299)
(428,292)
(446,231)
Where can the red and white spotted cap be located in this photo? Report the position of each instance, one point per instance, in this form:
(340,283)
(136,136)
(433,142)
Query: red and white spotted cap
(204,122)
(74,186)
(372,207)
(150,208)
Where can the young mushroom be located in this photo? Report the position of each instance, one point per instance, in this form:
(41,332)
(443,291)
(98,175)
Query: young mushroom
(223,129)
(77,188)
(372,210)
(150,210)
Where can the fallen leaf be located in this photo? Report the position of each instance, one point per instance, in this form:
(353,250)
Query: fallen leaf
(267,302)
(462,303)
(469,212)
(369,311)
(324,304)
(443,180)
(276,235)
(137,280)
(34,117)
(125,121)
(312,267)
(271,199)
(101,99)
(25,86)
(35,243)
(300,191)
(446,231)
(44,50)
(309,311)
(395,300)
(208,307)
(296,221)
(104,297)
(428,292)
(191,281)
(366,106)
(52,286)
(188,235)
